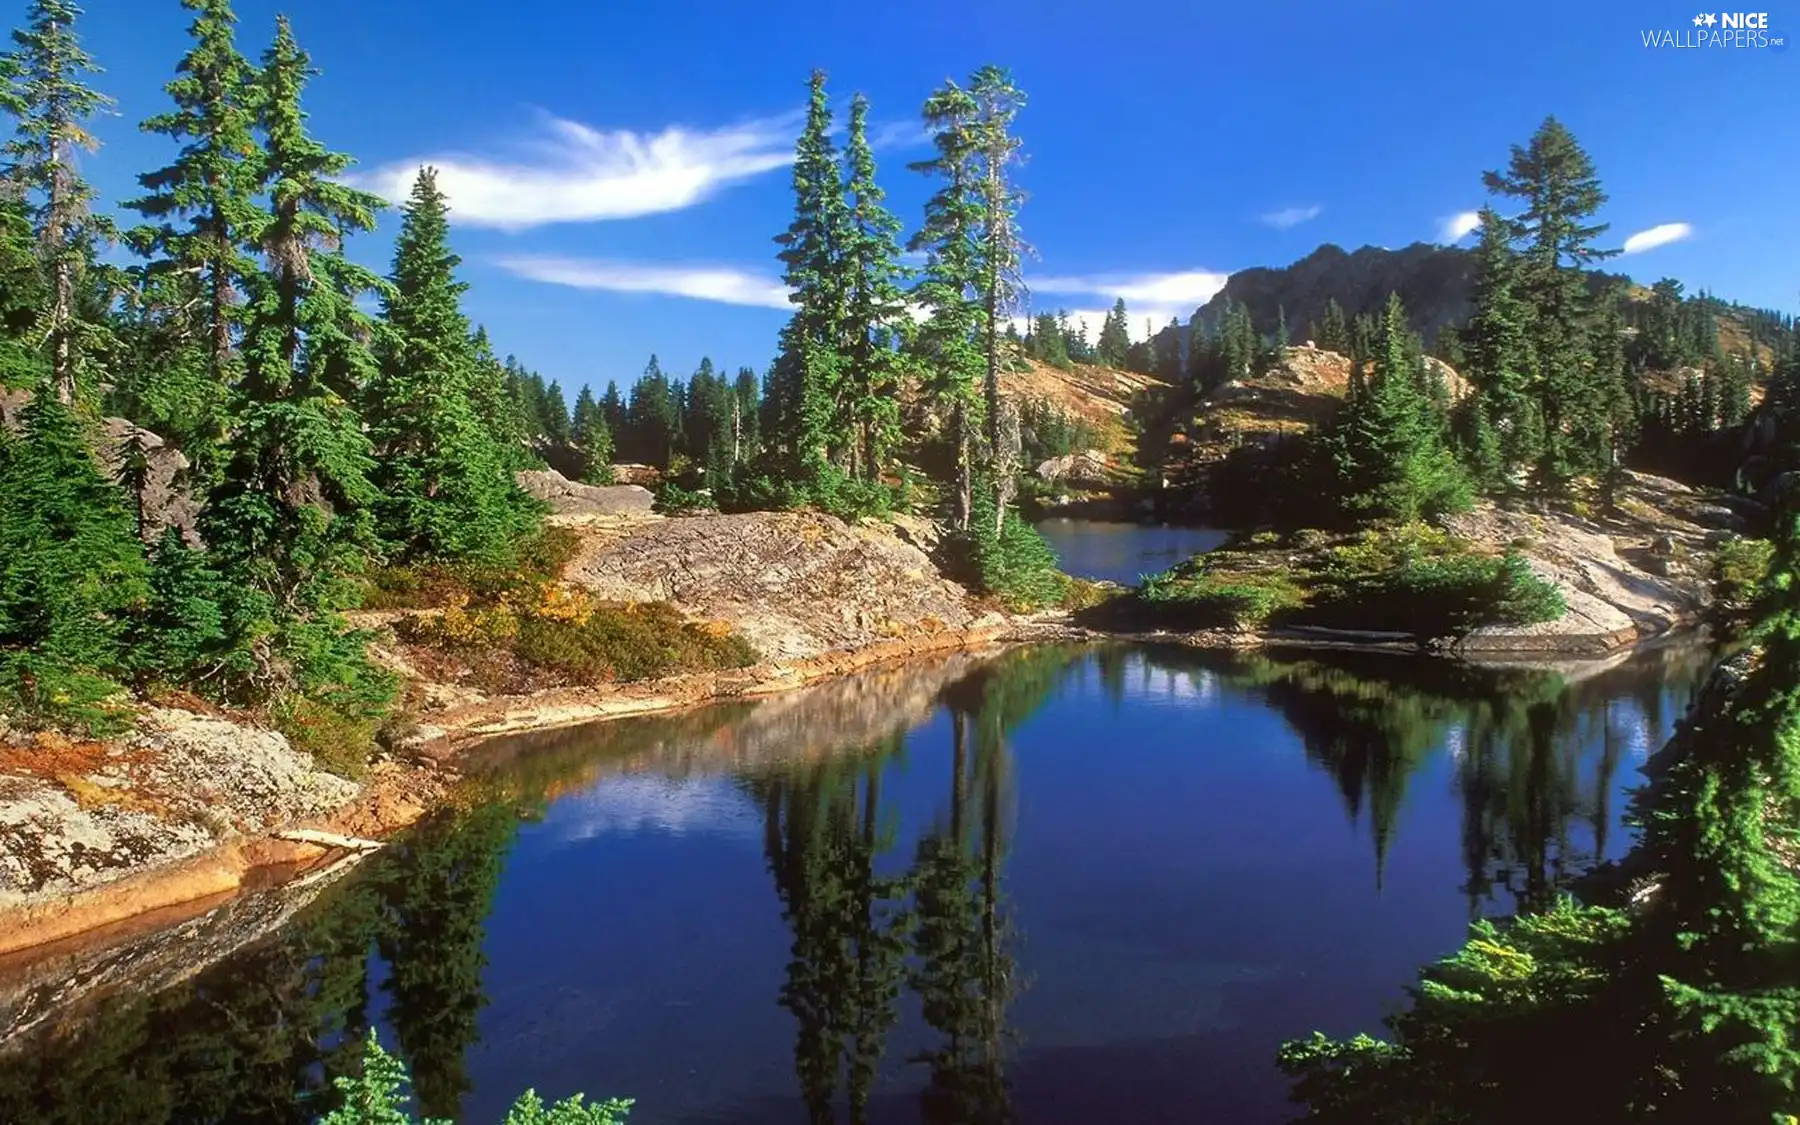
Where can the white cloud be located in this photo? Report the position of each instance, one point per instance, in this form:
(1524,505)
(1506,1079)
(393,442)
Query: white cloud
(708,806)
(1660,235)
(1194,287)
(1458,227)
(576,173)
(1134,324)
(1292,216)
(724,284)
(1155,297)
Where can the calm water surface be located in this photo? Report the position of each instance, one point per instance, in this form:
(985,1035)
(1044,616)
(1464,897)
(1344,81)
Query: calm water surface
(1124,552)
(1065,885)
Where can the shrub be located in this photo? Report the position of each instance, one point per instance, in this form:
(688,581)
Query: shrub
(377,1096)
(339,741)
(42,692)
(1232,600)
(1739,567)
(674,500)
(537,559)
(1013,562)
(628,642)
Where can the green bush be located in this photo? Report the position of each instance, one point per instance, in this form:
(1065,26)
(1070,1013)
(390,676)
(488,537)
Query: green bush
(1203,601)
(1739,567)
(39,691)
(1012,562)
(537,559)
(1408,579)
(834,492)
(377,1097)
(634,642)
(674,500)
(340,742)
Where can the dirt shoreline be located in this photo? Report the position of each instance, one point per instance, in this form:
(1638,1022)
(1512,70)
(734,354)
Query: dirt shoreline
(399,794)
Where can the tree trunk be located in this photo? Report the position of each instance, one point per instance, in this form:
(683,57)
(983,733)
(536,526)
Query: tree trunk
(965,484)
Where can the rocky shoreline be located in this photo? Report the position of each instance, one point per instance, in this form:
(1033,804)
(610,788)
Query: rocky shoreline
(99,842)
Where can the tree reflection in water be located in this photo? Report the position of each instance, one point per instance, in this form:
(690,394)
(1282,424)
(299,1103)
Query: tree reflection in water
(881,926)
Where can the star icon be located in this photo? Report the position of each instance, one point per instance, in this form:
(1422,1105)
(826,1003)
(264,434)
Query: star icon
(1699,21)
(1710,19)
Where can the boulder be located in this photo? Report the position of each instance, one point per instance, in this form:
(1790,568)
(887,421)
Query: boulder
(795,584)
(572,498)
(1088,465)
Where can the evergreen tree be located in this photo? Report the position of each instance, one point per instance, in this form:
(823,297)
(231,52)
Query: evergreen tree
(997,102)
(289,520)
(875,309)
(180,635)
(1734,392)
(447,488)
(1556,179)
(555,414)
(1334,331)
(53,105)
(1499,357)
(651,417)
(1049,343)
(71,570)
(494,398)
(1387,444)
(746,415)
(1114,344)
(593,438)
(804,384)
(201,213)
(948,342)
(612,408)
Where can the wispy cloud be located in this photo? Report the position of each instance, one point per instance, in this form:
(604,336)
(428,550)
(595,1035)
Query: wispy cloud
(1659,235)
(1292,216)
(1196,286)
(725,284)
(1458,227)
(570,172)
(1156,297)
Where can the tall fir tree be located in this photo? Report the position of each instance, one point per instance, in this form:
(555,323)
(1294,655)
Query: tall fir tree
(1114,344)
(1334,330)
(71,571)
(875,307)
(1387,444)
(53,104)
(810,364)
(949,341)
(998,101)
(593,438)
(201,217)
(290,519)
(1497,346)
(1556,180)
(447,489)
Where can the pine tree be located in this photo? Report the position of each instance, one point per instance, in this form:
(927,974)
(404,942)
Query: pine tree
(290,518)
(805,381)
(211,185)
(1556,179)
(447,488)
(53,106)
(180,636)
(1387,445)
(1735,382)
(593,438)
(998,101)
(71,570)
(555,415)
(651,417)
(494,398)
(1048,341)
(612,408)
(746,416)
(875,308)
(1114,344)
(948,342)
(1334,331)
(1499,358)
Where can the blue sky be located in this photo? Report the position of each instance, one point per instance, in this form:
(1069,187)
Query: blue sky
(617,169)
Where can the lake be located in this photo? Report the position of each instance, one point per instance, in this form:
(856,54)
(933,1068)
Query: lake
(1124,552)
(1061,885)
